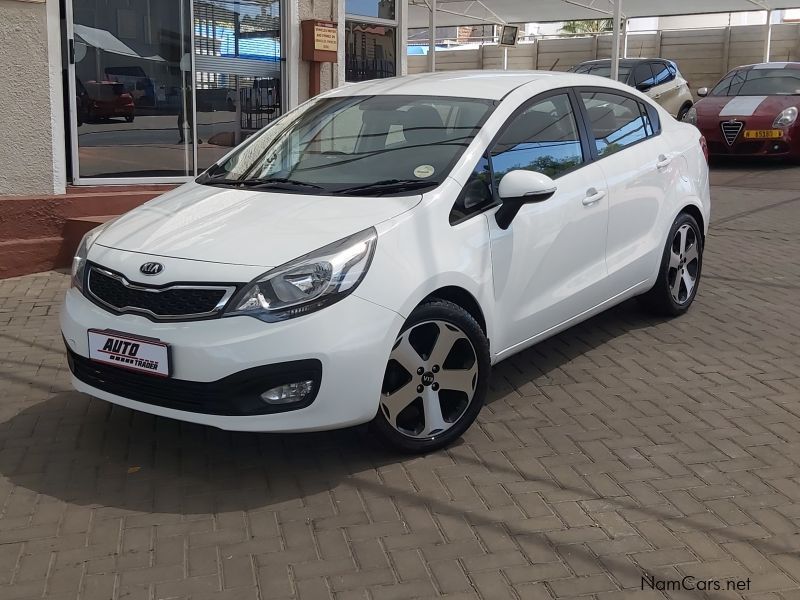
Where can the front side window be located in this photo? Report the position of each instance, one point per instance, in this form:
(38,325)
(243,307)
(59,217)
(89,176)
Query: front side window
(476,195)
(616,121)
(361,145)
(759,82)
(543,138)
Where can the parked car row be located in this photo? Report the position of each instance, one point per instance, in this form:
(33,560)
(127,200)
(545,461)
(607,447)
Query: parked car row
(751,112)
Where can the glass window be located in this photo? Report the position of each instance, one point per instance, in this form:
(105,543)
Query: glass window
(370,51)
(543,138)
(476,195)
(759,82)
(334,144)
(381,9)
(616,121)
(661,73)
(133,88)
(643,75)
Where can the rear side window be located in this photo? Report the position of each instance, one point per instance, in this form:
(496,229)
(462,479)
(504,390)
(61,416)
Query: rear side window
(661,73)
(643,75)
(616,121)
(543,138)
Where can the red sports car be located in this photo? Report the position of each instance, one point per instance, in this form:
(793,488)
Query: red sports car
(752,111)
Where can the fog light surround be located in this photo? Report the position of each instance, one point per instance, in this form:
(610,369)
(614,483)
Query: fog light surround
(289,393)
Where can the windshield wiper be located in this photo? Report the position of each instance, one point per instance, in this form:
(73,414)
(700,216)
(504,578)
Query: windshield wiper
(389,186)
(283,183)
(279,182)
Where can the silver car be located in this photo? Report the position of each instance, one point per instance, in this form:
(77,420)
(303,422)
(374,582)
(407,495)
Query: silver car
(659,78)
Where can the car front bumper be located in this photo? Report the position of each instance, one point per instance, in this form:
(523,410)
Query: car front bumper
(349,342)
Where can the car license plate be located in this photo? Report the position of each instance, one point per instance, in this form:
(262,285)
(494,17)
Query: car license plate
(144,355)
(763,134)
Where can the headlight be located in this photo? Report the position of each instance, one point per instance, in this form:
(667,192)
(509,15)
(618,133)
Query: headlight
(690,116)
(786,118)
(308,283)
(79,260)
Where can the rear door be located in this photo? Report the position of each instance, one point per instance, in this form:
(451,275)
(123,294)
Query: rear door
(638,169)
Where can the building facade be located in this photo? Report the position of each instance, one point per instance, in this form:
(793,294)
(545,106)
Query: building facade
(109,92)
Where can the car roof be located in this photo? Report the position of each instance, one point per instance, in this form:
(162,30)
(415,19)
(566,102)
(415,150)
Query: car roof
(490,85)
(624,62)
(768,65)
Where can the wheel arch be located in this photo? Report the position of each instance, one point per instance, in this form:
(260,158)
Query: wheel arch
(463,298)
(694,211)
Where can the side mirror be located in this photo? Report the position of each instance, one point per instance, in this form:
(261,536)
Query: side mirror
(518,188)
(643,87)
(702,92)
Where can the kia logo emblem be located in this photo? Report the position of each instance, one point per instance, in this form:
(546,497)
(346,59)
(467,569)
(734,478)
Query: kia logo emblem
(151,268)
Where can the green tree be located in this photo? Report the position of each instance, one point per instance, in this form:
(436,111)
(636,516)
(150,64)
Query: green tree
(588,26)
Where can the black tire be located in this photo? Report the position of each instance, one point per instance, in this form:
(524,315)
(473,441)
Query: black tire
(682,112)
(659,299)
(447,312)
(129,119)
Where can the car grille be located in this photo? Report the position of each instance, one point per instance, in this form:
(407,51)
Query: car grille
(731,130)
(172,302)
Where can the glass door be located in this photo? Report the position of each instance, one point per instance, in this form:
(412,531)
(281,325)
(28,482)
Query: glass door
(131,95)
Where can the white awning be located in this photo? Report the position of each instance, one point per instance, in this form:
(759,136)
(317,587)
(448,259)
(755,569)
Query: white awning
(473,12)
(107,42)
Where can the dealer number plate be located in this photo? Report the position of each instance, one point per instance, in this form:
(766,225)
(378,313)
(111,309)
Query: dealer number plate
(763,134)
(129,352)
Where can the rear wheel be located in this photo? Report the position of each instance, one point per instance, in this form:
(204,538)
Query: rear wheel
(435,381)
(682,112)
(681,265)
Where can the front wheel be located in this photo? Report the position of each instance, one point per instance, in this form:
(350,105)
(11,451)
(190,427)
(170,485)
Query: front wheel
(682,112)
(681,265)
(436,379)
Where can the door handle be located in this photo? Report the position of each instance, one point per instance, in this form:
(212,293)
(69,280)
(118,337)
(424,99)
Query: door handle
(593,196)
(663,161)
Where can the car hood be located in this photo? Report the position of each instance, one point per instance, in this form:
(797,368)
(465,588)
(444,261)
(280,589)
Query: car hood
(744,106)
(244,227)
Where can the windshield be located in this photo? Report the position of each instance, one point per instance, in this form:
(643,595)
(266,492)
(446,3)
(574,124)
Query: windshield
(604,70)
(361,145)
(759,82)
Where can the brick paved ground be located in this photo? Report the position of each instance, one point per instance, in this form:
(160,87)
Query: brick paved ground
(624,447)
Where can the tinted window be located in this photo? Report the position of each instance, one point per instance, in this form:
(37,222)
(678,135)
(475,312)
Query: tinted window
(543,138)
(616,121)
(476,195)
(643,75)
(661,74)
(759,82)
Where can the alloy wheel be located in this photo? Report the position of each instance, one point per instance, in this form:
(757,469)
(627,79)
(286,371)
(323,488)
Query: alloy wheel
(430,379)
(684,264)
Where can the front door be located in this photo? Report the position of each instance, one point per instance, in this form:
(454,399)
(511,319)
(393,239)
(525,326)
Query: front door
(549,265)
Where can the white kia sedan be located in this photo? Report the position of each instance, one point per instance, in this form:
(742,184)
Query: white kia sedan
(371,254)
